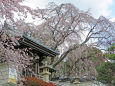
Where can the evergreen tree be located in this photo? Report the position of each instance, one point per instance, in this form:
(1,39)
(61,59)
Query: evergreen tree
(106,71)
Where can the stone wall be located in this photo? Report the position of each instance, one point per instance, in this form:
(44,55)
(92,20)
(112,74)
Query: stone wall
(4,73)
(7,74)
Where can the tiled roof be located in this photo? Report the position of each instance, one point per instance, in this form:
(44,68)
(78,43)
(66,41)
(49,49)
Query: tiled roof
(38,46)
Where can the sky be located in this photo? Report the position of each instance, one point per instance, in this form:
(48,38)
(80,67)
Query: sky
(97,7)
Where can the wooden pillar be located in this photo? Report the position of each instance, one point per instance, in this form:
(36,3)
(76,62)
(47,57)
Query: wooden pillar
(36,68)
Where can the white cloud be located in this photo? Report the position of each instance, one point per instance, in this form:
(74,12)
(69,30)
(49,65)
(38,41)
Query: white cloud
(31,3)
(37,3)
(98,7)
(112,19)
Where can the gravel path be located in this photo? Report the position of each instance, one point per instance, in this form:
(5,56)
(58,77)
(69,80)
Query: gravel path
(81,84)
(90,84)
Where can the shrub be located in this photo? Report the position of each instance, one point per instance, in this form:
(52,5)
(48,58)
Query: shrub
(33,81)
